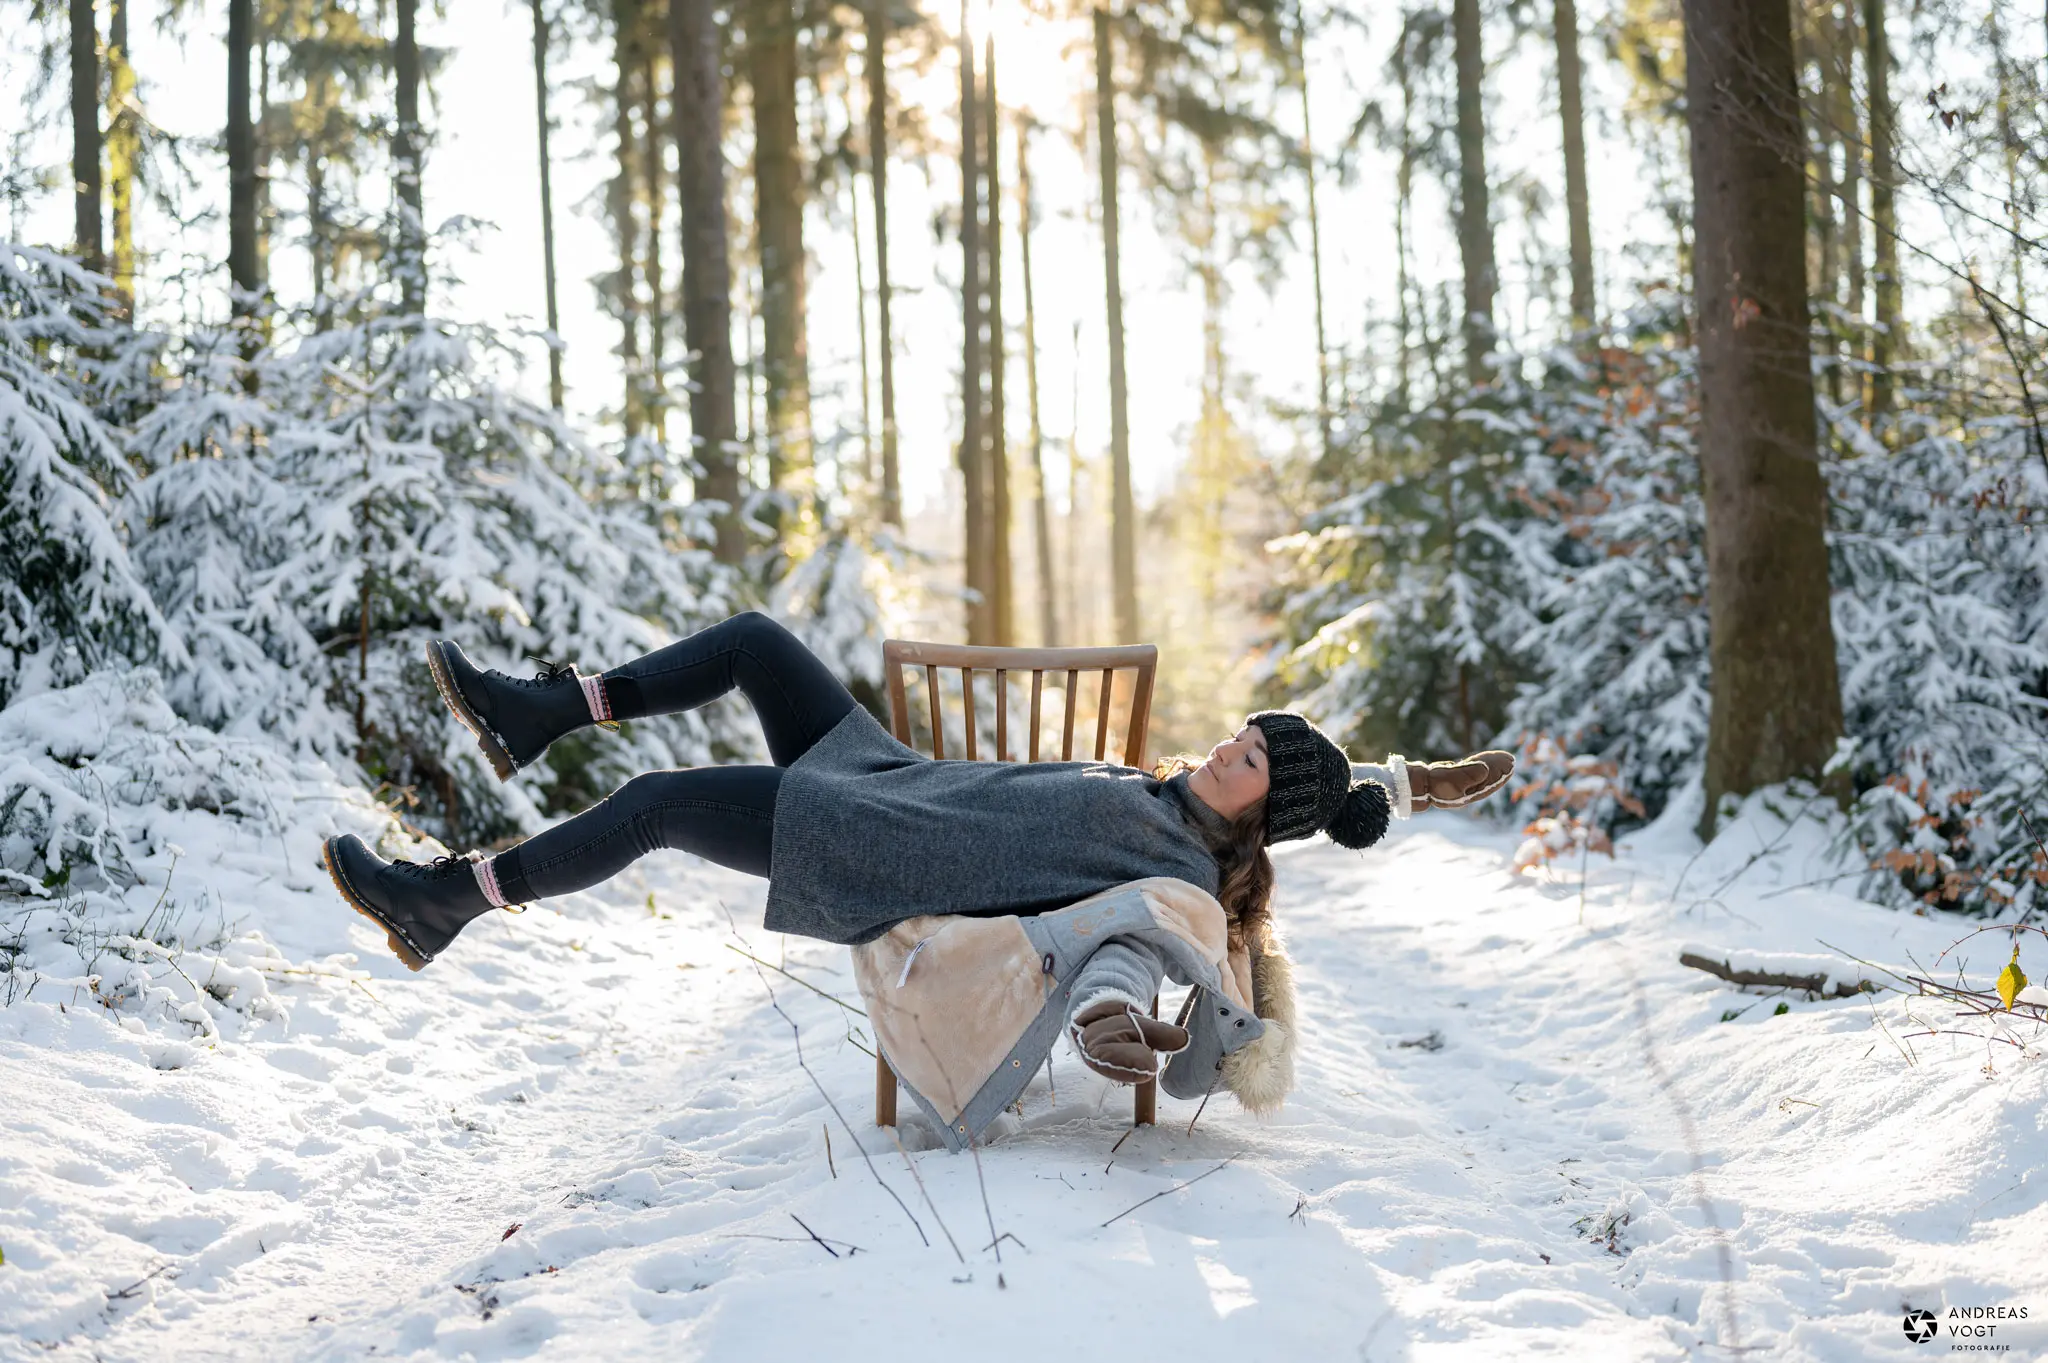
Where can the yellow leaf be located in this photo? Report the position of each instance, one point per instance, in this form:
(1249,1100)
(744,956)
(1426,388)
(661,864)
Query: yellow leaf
(2011,980)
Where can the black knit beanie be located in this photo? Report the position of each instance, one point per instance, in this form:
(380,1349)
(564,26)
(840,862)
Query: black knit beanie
(1309,785)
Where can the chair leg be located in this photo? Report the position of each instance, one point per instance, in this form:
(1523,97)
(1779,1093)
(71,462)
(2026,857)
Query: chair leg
(885,1093)
(1145,1099)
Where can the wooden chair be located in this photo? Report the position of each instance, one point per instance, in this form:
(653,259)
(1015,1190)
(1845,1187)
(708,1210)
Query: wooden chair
(1142,659)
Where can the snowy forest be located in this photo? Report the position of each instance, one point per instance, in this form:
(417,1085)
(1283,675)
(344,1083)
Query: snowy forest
(1655,389)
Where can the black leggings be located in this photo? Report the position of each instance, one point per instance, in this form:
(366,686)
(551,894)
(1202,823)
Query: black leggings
(723,814)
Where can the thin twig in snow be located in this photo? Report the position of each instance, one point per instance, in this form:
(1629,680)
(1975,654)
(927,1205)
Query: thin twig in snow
(2043,850)
(136,1286)
(1204,1103)
(1974,1036)
(1118,1146)
(974,1148)
(1809,884)
(814,1235)
(851,1248)
(799,979)
(1165,1191)
(1763,851)
(796,1036)
(2014,928)
(973,1145)
(826,1127)
(918,1178)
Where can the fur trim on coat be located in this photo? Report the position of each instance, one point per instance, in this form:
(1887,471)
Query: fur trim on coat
(1262,1074)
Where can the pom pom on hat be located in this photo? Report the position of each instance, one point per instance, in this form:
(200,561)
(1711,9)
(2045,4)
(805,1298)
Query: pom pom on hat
(1361,820)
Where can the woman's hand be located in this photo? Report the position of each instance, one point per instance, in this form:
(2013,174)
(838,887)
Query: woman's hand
(1453,785)
(1119,1042)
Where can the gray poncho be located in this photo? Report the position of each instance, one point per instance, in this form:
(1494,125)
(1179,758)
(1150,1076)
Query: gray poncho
(869,832)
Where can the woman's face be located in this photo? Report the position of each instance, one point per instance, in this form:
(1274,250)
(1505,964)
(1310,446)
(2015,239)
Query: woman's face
(1234,777)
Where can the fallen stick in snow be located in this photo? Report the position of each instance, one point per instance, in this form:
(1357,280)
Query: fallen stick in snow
(1778,970)
(918,1178)
(136,1286)
(814,1235)
(1163,1192)
(798,978)
(973,1148)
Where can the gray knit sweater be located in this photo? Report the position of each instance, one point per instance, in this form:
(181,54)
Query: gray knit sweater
(869,832)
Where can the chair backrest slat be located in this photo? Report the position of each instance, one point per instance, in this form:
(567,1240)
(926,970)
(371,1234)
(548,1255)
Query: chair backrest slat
(1067,729)
(1037,686)
(1102,715)
(1141,701)
(1002,715)
(967,702)
(1141,659)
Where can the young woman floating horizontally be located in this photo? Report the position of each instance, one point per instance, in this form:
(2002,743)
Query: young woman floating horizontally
(857,832)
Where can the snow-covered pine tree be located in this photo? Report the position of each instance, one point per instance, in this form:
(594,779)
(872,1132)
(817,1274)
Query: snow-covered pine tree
(1404,600)
(1941,618)
(70,599)
(1616,565)
(1574,608)
(1940,601)
(388,489)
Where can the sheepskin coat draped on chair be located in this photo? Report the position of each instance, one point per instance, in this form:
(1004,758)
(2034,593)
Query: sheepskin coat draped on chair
(965,1009)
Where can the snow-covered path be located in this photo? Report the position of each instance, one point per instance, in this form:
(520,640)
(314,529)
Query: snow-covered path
(1522,1129)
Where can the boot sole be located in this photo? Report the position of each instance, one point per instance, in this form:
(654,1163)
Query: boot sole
(444,682)
(412,959)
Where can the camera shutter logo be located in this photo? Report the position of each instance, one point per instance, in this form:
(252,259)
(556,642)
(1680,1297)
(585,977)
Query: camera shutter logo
(1920,1326)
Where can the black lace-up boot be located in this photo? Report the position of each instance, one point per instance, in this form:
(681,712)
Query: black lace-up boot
(420,907)
(514,718)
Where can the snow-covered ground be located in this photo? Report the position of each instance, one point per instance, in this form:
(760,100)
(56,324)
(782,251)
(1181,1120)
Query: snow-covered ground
(1522,1130)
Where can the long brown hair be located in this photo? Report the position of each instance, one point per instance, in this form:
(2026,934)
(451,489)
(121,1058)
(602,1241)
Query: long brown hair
(1244,870)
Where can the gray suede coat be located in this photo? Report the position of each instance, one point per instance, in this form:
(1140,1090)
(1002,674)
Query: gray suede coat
(869,832)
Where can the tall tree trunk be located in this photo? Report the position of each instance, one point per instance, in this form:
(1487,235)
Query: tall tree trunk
(998,426)
(1884,220)
(779,228)
(317,230)
(124,150)
(1813,39)
(1041,520)
(1777,708)
(242,264)
(1849,132)
(878,170)
(85,133)
(1315,239)
(1404,197)
(978,562)
(1208,479)
(1475,228)
(1123,541)
(2011,142)
(319,217)
(622,196)
(1578,210)
(653,179)
(406,153)
(698,101)
(860,312)
(547,204)
(264,152)
(1070,606)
